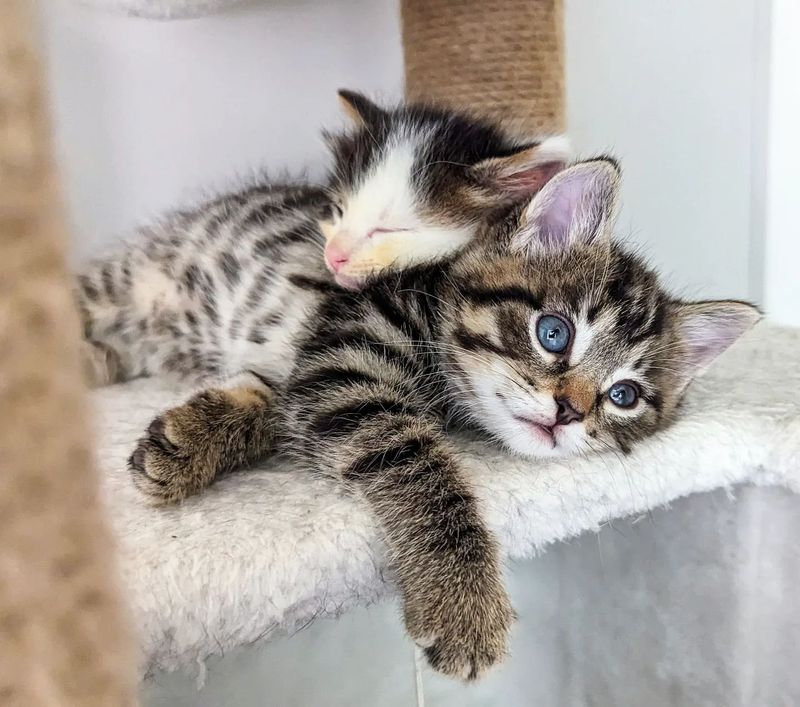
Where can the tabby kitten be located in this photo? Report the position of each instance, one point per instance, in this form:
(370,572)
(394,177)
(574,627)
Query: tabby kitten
(549,337)
(210,291)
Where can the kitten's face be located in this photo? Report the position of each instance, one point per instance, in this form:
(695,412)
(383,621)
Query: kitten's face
(570,344)
(414,184)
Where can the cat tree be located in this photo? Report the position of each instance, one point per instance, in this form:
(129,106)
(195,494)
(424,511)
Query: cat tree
(273,548)
(500,58)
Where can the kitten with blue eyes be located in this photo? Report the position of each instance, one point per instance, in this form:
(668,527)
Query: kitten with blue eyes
(605,357)
(548,336)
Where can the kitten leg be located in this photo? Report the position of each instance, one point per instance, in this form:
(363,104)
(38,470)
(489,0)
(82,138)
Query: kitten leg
(445,559)
(99,294)
(214,432)
(101,364)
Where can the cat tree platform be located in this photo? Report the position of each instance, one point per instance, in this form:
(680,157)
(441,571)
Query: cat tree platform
(264,552)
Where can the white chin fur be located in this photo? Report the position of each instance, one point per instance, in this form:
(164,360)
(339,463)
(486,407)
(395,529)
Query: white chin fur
(521,439)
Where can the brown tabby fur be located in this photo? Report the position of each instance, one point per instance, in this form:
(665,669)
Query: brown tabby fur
(378,373)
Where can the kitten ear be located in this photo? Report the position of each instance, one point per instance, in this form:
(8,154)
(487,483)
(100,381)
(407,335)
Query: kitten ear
(361,110)
(708,328)
(524,172)
(578,205)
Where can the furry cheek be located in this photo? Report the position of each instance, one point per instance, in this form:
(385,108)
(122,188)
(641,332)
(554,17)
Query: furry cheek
(361,265)
(619,428)
(370,256)
(483,375)
(598,436)
(384,252)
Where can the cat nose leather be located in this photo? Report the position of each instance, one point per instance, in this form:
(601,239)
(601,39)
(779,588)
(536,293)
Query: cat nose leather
(335,257)
(565,413)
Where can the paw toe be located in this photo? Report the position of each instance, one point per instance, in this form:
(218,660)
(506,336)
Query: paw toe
(150,472)
(453,663)
(137,459)
(462,639)
(157,432)
(156,427)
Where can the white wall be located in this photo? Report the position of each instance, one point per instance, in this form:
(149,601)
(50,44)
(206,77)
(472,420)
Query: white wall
(149,113)
(782,198)
(668,86)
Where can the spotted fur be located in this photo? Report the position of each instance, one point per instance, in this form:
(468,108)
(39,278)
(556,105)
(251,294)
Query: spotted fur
(206,291)
(376,375)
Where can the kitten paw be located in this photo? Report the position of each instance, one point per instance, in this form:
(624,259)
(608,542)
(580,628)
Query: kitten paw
(161,467)
(462,629)
(188,446)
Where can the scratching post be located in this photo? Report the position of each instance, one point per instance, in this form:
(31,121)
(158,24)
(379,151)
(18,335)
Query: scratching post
(63,639)
(503,58)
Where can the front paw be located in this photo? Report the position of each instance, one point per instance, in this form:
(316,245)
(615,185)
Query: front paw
(188,446)
(462,626)
(169,462)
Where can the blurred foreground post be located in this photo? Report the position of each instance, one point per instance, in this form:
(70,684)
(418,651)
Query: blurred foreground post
(63,635)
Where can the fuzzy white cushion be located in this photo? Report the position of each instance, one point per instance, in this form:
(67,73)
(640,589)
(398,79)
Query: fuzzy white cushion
(263,552)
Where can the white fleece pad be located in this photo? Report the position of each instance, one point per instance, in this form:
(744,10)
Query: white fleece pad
(264,552)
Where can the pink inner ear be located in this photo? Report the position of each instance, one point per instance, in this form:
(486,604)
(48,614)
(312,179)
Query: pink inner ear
(556,216)
(528,181)
(702,352)
(708,334)
(554,227)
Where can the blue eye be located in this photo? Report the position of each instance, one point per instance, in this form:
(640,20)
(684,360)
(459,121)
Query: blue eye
(623,395)
(553,333)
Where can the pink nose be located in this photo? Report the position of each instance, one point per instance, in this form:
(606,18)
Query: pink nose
(335,257)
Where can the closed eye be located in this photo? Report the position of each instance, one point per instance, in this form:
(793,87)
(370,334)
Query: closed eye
(375,231)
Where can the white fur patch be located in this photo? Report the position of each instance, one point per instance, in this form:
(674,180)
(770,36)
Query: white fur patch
(507,408)
(151,287)
(430,242)
(557,148)
(381,226)
(385,197)
(583,334)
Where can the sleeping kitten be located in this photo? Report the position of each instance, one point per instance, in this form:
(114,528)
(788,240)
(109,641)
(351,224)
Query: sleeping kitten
(208,291)
(548,336)
(415,184)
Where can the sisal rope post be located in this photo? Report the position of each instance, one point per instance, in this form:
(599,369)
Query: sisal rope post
(64,638)
(501,58)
